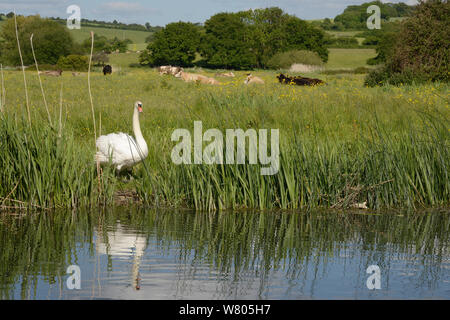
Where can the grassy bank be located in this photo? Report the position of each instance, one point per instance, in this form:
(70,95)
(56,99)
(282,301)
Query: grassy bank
(340,144)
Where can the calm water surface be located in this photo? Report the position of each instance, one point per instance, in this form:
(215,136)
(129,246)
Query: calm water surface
(130,253)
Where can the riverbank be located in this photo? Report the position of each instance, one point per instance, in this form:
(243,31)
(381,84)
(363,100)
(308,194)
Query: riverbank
(340,144)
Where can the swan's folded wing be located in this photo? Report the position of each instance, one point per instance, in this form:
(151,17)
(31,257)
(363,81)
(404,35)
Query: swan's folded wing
(119,144)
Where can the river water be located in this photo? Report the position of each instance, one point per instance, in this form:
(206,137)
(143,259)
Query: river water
(135,253)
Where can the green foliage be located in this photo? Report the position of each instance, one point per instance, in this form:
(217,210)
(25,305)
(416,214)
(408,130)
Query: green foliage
(51,40)
(110,25)
(385,44)
(420,51)
(225,43)
(355,17)
(371,41)
(383,75)
(301,35)
(176,44)
(284,60)
(100,58)
(73,62)
(249,39)
(103,44)
(384,39)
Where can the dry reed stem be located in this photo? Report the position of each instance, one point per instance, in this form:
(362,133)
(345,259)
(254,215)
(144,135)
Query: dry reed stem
(23,70)
(3,98)
(40,82)
(92,109)
(89,85)
(10,193)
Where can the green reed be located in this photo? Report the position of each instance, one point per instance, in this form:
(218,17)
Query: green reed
(42,168)
(383,165)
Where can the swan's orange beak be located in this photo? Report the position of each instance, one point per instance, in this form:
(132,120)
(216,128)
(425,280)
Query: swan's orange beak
(139,108)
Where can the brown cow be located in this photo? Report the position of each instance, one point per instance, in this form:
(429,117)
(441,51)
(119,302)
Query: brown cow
(213,81)
(253,79)
(189,77)
(228,75)
(164,70)
(53,73)
(299,80)
(169,70)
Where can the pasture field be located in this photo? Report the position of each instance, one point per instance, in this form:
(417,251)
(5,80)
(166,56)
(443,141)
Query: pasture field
(123,60)
(343,33)
(137,37)
(134,35)
(349,58)
(340,144)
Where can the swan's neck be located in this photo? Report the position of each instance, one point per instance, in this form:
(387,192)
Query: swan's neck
(138,133)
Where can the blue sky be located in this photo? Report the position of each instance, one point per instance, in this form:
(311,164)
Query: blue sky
(161,12)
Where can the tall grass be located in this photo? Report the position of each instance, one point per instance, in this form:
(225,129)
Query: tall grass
(401,165)
(411,170)
(341,144)
(43,169)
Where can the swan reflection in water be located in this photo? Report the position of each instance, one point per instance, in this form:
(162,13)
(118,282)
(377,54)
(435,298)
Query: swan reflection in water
(123,243)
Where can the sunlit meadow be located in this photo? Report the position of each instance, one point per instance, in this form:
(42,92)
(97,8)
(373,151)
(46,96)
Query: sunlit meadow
(341,143)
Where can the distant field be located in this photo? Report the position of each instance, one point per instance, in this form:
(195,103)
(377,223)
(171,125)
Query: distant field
(135,36)
(123,60)
(349,58)
(346,34)
(343,33)
(138,37)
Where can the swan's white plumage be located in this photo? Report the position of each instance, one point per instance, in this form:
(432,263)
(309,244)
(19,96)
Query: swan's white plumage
(122,149)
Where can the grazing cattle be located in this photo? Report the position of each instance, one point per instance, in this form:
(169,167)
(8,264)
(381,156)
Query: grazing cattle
(299,81)
(228,74)
(164,70)
(107,69)
(169,70)
(213,81)
(75,74)
(175,70)
(253,79)
(189,77)
(53,73)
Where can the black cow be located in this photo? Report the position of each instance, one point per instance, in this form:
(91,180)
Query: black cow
(299,81)
(107,70)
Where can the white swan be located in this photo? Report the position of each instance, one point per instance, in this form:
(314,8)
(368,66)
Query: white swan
(123,150)
(123,243)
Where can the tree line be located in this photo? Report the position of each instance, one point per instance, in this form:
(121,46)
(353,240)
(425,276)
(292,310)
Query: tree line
(241,40)
(354,17)
(51,41)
